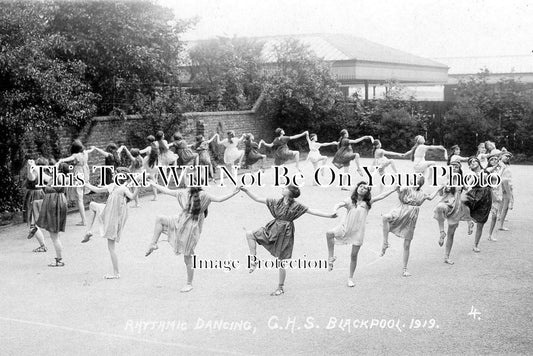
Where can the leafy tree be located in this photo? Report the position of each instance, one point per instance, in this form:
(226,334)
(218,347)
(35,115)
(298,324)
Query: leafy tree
(129,47)
(226,73)
(301,92)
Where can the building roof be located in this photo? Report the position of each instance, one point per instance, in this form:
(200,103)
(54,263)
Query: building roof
(343,47)
(495,64)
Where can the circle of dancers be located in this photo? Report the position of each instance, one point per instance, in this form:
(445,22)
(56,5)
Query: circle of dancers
(45,208)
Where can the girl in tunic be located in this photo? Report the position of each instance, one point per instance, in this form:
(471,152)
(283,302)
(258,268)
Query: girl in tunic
(78,158)
(277,237)
(452,209)
(186,156)
(497,192)
(146,150)
(53,215)
(204,158)
(455,155)
(166,156)
(150,164)
(401,221)
(282,154)
(33,200)
(482,154)
(251,152)
(418,155)
(345,153)
(507,188)
(479,200)
(136,166)
(380,160)
(111,216)
(352,231)
(184,230)
(111,158)
(231,153)
(314,155)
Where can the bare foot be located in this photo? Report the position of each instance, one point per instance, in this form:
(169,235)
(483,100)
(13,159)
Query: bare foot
(448,261)
(187,288)
(441,239)
(151,249)
(330,263)
(350,283)
(112,276)
(405,273)
(384,249)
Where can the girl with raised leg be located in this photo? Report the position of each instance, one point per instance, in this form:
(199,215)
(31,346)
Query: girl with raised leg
(184,230)
(78,159)
(277,236)
(479,200)
(282,154)
(251,152)
(231,154)
(112,216)
(418,155)
(401,221)
(345,153)
(352,231)
(451,209)
(314,155)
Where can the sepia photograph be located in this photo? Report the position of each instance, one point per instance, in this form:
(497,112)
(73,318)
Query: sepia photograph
(266,177)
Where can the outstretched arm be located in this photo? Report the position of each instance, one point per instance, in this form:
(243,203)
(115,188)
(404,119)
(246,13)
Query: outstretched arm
(357,140)
(269,145)
(382,195)
(321,213)
(225,197)
(433,195)
(128,153)
(212,138)
(145,150)
(253,196)
(299,135)
(102,152)
(67,159)
(394,154)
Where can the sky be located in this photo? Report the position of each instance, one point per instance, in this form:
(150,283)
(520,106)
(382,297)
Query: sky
(428,28)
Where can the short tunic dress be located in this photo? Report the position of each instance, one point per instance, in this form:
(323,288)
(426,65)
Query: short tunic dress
(352,230)
(251,152)
(231,153)
(113,214)
(344,154)
(183,230)
(314,153)
(166,156)
(479,201)
(404,217)
(282,153)
(111,160)
(497,195)
(184,153)
(151,171)
(53,214)
(451,207)
(278,235)
(380,161)
(202,148)
(32,194)
(80,168)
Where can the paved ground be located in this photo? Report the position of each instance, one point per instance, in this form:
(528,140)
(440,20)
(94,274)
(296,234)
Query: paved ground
(71,310)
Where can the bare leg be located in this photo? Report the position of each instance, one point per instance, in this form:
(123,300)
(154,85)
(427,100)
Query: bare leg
(393,166)
(252,245)
(160,225)
(347,171)
(505,209)
(479,231)
(190,274)
(40,237)
(406,248)
(386,229)
(358,165)
(241,157)
(330,239)
(57,244)
(297,159)
(114,259)
(440,214)
(282,275)
(493,219)
(353,260)
(449,243)
(81,207)
(156,176)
